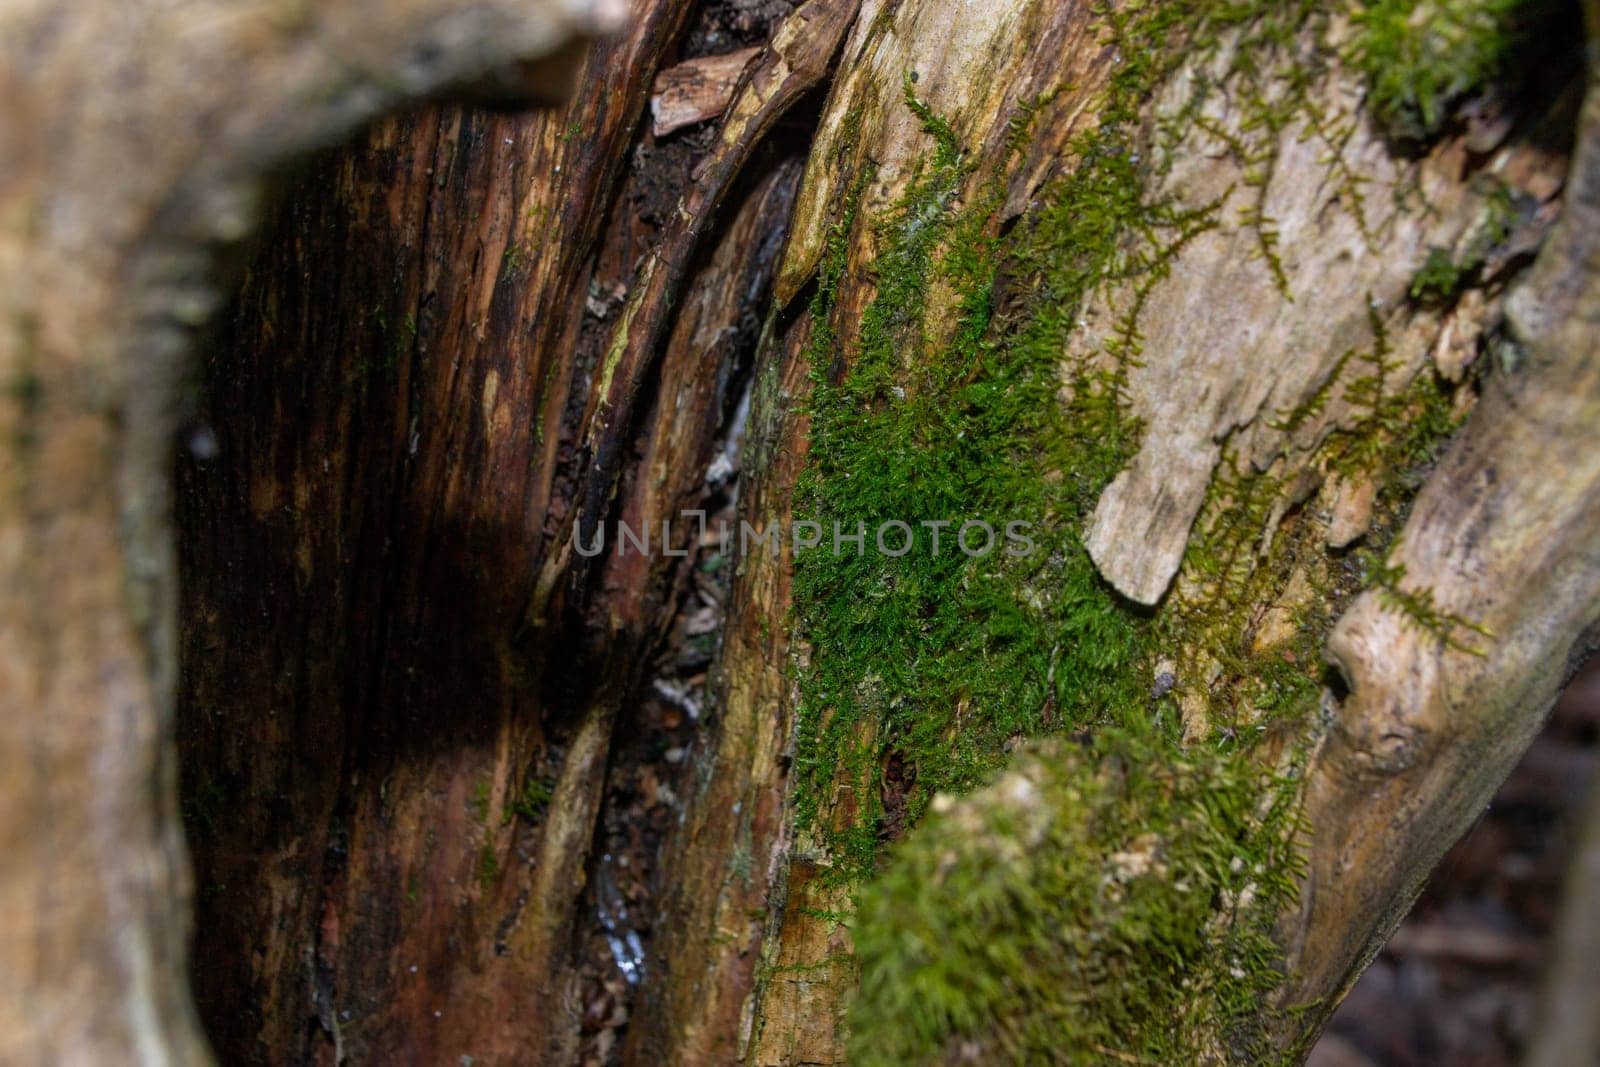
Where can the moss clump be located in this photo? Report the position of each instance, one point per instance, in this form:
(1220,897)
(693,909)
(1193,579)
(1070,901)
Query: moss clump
(487,868)
(933,662)
(1438,279)
(1421,56)
(1442,275)
(478,802)
(535,798)
(517,260)
(1044,920)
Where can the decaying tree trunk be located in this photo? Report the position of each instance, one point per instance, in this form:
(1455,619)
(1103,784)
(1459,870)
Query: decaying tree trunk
(1274,324)
(134,144)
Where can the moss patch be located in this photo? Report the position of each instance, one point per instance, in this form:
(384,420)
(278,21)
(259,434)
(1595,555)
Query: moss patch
(930,663)
(1422,56)
(1442,275)
(1247,670)
(928,668)
(535,798)
(1122,911)
(1049,889)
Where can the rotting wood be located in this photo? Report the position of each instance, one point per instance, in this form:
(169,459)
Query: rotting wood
(1361,268)
(406,838)
(426,458)
(1489,598)
(795,61)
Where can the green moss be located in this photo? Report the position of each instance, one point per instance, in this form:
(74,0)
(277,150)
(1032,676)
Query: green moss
(928,668)
(517,260)
(1438,279)
(1249,545)
(478,802)
(947,399)
(1400,429)
(1237,567)
(1418,608)
(488,865)
(1421,56)
(1442,275)
(535,798)
(935,661)
(394,345)
(1046,922)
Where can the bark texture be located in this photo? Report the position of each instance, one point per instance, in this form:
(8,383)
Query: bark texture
(396,805)
(368,854)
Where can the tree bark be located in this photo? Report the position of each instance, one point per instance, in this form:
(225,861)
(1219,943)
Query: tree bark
(416,717)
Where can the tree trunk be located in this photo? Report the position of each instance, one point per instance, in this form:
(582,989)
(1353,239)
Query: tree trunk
(1270,326)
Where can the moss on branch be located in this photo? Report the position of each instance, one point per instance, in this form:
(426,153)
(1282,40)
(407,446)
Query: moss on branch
(1094,905)
(1110,898)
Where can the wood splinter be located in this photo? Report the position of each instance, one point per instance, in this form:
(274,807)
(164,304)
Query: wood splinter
(696,90)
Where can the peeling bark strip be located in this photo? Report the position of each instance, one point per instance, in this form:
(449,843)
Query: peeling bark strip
(696,90)
(795,61)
